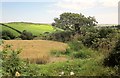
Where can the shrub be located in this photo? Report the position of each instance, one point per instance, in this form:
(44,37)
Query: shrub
(7,35)
(62,36)
(84,53)
(113,58)
(103,32)
(79,55)
(75,45)
(89,39)
(26,35)
(11,63)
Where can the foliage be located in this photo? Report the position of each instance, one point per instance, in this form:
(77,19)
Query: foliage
(83,53)
(7,35)
(73,21)
(75,45)
(25,35)
(89,39)
(84,67)
(62,36)
(99,39)
(11,63)
(114,57)
(103,32)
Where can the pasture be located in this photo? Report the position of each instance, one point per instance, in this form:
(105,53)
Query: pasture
(35,29)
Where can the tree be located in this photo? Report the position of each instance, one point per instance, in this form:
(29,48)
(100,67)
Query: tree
(7,35)
(73,21)
(26,35)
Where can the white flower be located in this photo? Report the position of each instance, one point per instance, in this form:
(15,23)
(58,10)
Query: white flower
(59,75)
(72,73)
(17,74)
(62,73)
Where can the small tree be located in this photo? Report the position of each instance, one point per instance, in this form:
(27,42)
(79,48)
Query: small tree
(26,35)
(7,35)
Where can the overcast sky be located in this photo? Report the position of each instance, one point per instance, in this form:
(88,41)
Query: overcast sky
(44,11)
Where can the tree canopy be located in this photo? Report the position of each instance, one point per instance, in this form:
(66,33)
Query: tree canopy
(73,21)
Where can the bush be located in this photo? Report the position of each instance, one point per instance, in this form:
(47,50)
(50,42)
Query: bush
(103,32)
(7,35)
(114,57)
(75,45)
(26,35)
(80,54)
(84,53)
(89,39)
(11,63)
(62,36)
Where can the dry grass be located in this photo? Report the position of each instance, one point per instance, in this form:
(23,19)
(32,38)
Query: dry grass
(37,51)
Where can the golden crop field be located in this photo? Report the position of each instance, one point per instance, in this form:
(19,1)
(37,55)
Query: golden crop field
(37,50)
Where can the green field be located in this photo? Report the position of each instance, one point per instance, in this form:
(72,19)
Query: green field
(35,29)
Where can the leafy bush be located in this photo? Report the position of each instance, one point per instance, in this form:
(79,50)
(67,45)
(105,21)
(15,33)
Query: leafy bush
(114,57)
(83,53)
(89,39)
(62,36)
(7,35)
(103,32)
(26,35)
(80,55)
(75,45)
(11,63)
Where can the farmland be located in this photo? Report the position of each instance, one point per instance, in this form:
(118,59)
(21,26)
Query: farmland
(35,29)
(61,49)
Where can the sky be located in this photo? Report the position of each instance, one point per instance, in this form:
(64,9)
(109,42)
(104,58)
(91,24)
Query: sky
(44,11)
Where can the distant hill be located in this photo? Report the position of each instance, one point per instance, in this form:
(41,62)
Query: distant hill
(35,28)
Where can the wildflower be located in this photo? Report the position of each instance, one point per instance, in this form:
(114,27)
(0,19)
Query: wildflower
(17,74)
(72,73)
(62,73)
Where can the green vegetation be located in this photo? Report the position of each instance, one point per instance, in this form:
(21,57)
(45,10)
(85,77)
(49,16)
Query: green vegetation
(92,51)
(10,30)
(26,35)
(73,21)
(12,65)
(7,35)
(35,29)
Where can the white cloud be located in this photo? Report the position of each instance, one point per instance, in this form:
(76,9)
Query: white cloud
(85,4)
(107,18)
(75,4)
(109,3)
